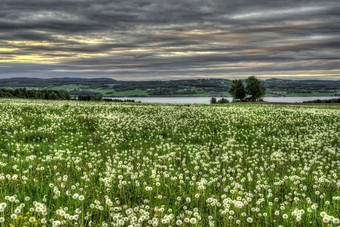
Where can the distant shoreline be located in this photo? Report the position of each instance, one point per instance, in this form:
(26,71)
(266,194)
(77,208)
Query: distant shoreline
(284,103)
(216,96)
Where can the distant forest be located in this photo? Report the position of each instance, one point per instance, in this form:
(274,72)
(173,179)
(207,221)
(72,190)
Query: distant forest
(34,94)
(195,87)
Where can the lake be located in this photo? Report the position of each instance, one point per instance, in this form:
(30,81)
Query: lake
(206,100)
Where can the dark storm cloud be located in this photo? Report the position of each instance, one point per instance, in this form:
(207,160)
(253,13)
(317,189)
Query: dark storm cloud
(144,39)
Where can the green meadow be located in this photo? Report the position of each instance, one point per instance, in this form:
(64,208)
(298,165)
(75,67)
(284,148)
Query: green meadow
(68,163)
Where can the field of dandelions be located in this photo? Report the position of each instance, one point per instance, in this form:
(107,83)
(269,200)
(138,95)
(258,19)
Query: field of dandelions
(65,163)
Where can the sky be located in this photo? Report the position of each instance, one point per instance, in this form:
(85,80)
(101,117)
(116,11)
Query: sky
(170,39)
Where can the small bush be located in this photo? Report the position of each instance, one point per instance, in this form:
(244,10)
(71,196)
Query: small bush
(223,100)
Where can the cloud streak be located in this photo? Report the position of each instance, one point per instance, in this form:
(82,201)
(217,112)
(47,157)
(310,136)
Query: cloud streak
(144,39)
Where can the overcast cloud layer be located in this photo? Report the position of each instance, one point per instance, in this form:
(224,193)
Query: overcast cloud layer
(173,39)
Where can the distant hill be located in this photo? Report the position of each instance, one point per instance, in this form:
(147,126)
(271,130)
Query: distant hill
(194,87)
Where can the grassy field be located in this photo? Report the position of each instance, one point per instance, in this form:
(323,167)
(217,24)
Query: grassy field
(112,164)
(69,86)
(128,93)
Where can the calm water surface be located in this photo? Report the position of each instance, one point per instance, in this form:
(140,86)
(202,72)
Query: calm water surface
(206,100)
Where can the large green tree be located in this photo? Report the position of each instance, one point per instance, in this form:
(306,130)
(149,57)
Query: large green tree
(237,89)
(254,88)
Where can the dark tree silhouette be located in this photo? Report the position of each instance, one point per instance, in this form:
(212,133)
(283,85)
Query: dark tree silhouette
(237,89)
(255,88)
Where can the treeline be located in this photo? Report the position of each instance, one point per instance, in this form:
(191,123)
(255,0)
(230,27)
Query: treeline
(99,98)
(220,101)
(324,101)
(119,100)
(86,93)
(24,93)
(89,98)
